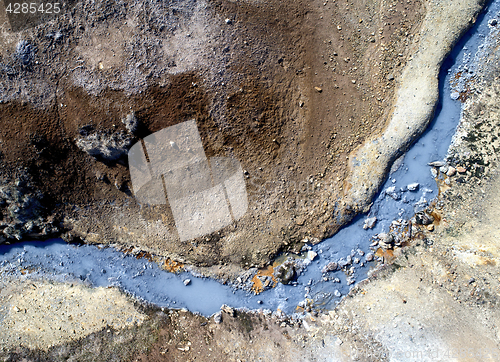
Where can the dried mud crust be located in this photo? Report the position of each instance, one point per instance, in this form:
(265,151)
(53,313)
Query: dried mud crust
(288,89)
(237,336)
(415,101)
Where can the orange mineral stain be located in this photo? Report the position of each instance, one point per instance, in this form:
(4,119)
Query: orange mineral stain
(258,287)
(388,255)
(173,266)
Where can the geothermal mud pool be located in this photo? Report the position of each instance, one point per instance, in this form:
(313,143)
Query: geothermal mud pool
(350,247)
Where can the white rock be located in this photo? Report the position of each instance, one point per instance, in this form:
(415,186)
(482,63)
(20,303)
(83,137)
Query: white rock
(370,222)
(218,317)
(311,255)
(391,191)
(414,186)
(332,266)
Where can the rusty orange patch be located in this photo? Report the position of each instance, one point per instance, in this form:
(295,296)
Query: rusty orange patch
(258,287)
(128,250)
(173,266)
(388,255)
(145,255)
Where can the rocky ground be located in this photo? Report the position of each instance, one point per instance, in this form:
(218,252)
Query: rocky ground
(432,300)
(288,89)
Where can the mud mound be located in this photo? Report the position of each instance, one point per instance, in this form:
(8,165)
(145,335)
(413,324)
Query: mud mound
(287,89)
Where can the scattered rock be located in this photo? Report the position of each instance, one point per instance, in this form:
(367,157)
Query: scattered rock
(391,191)
(345,262)
(370,222)
(285,273)
(430,227)
(227,309)
(451,171)
(187,281)
(332,266)
(493,22)
(108,147)
(461,169)
(386,240)
(318,89)
(390,77)
(218,317)
(311,255)
(444,169)
(369,257)
(437,163)
(23,212)
(413,187)
(422,218)
(434,172)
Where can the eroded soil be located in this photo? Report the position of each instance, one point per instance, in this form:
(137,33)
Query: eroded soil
(288,89)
